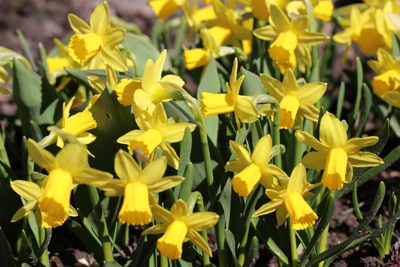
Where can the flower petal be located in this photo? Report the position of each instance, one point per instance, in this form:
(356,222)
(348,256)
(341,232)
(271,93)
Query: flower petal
(198,240)
(73,158)
(179,209)
(165,183)
(364,159)
(262,150)
(126,167)
(100,18)
(332,131)
(310,140)
(40,156)
(200,221)
(154,171)
(24,211)
(78,25)
(315,160)
(27,190)
(355,144)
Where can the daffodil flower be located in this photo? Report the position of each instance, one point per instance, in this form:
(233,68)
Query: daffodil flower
(154,88)
(136,185)
(198,57)
(68,167)
(243,107)
(296,102)
(291,39)
(77,125)
(230,28)
(361,29)
(255,168)
(291,201)
(322,9)
(165,8)
(180,225)
(335,153)
(386,85)
(155,131)
(31,192)
(96,45)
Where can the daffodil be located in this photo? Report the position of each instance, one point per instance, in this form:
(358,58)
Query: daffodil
(180,225)
(230,27)
(322,9)
(68,167)
(198,57)
(255,168)
(137,185)
(155,131)
(196,16)
(31,192)
(291,39)
(96,45)
(335,153)
(296,102)
(165,8)
(243,107)
(361,28)
(386,84)
(290,201)
(62,60)
(154,88)
(77,125)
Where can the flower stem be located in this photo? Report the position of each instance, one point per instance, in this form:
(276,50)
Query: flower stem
(276,136)
(322,243)
(293,244)
(104,235)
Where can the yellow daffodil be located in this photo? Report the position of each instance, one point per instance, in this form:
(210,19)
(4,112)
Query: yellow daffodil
(243,107)
(155,131)
(296,102)
(255,168)
(68,167)
(155,88)
(291,201)
(125,90)
(137,185)
(196,16)
(77,125)
(198,57)
(96,45)
(361,29)
(291,39)
(62,60)
(386,84)
(180,225)
(31,192)
(335,153)
(230,28)
(165,8)
(322,9)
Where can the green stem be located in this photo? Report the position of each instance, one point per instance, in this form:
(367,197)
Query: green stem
(163,261)
(322,243)
(104,235)
(293,245)
(45,235)
(276,135)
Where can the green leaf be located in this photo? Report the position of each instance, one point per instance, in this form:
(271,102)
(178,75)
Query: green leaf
(230,241)
(251,85)
(6,256)
(143,50)
(365,109)
(34,103)
(113,120)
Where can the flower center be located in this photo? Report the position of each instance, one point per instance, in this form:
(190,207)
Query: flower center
(135,208)
(146,142)
(170,244)
(282,50)
(54,201)
(84,46)
(289,106)
(335,169)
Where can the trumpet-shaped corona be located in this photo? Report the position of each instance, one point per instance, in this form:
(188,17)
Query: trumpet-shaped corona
(299,211)
(289,106)
(170,244)
(146,142)
(135,208)
(244,182)
(335,169)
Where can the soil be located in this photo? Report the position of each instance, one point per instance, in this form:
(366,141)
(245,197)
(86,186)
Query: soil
(44,20)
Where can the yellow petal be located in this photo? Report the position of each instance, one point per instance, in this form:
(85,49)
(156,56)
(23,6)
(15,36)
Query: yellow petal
(332,131)
(26,189)
(24,211)
(179,209)
(297,179)
(165,183)
(80,122)
(164,8)
(154,171)
(200,221)
(385,82)
(364,159)
(269,207)
(195,58)
(125,90)
(198,240)
(262,150)
(311,141)
(40,156)
(170,244)
(126,167)
(135,208)
(315,160)
(54,201)
(100,18)
(73,158)
(323,10)
(174,132)
(78,25)
(335,169)
(240,152)
(245,110)
(278,18)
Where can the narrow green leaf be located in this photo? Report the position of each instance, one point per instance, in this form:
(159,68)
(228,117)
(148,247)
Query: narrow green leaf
(231,242)
(365,109)
(26,49)
(6,255)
